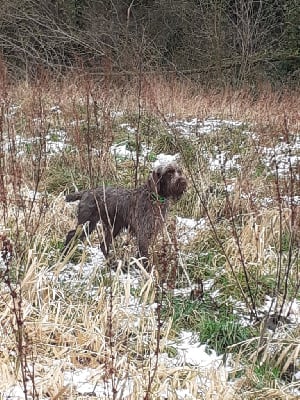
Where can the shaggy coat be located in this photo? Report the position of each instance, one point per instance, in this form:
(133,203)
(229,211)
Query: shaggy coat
(142,210)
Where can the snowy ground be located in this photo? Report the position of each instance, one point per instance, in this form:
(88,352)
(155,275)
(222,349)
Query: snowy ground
(189,351)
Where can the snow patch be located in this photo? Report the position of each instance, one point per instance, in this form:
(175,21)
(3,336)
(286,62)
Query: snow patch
(282,157)
(122,150)
(188,228)
(221,161)
(196,126)
(164,159)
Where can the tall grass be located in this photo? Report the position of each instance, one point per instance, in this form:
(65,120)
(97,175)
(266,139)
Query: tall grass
(57,318)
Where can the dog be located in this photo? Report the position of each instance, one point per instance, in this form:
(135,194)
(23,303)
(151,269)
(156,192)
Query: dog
(141,210)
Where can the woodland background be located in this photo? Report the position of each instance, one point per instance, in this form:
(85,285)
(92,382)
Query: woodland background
(214,41)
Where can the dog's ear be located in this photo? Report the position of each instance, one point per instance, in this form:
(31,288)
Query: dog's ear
(154,180)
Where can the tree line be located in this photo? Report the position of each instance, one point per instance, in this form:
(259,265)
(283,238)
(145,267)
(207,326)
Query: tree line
(212,40)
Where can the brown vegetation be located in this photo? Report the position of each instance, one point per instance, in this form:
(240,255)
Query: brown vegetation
(56,136)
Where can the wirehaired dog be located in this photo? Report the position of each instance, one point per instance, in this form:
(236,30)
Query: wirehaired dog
(142,210)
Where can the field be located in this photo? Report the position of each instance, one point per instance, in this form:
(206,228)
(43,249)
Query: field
(218,317)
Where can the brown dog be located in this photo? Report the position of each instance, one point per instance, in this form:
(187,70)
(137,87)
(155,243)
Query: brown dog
(142,210)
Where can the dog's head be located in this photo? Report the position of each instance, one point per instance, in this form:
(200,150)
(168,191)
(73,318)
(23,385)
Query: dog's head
(168,181)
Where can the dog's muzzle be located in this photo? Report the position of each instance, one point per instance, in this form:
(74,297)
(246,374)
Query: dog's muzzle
(179,187)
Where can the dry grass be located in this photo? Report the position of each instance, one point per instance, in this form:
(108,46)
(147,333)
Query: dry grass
(55,322)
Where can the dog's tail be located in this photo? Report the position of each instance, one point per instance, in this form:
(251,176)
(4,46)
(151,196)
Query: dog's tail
(74,196)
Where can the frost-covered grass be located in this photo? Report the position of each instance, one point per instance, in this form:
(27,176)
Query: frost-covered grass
(218,316)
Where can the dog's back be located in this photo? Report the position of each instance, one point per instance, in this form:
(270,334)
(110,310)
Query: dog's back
(74,196)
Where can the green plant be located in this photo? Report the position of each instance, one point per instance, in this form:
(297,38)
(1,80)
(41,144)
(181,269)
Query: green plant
(223,330)
(186,313)
(215,323)
(266,375)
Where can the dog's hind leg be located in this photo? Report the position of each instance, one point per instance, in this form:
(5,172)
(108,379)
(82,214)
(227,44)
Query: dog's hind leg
(85,232)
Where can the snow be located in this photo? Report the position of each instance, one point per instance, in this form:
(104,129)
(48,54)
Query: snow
(188,228)
(77,273)
(24,145)
(122,151)
(15,392)
(192,352)
(198,127)
(12,110)
(189,350)
(164,159)
(128,128)
(55,109)
(89,382)
(282,157)
(116,114)
(290,310)
(297,375)
(220,161)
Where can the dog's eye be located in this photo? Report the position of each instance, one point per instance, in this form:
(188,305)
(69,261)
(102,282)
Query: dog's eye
(171,171)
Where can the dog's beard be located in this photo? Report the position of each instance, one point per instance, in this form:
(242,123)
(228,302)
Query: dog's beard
(178,189)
